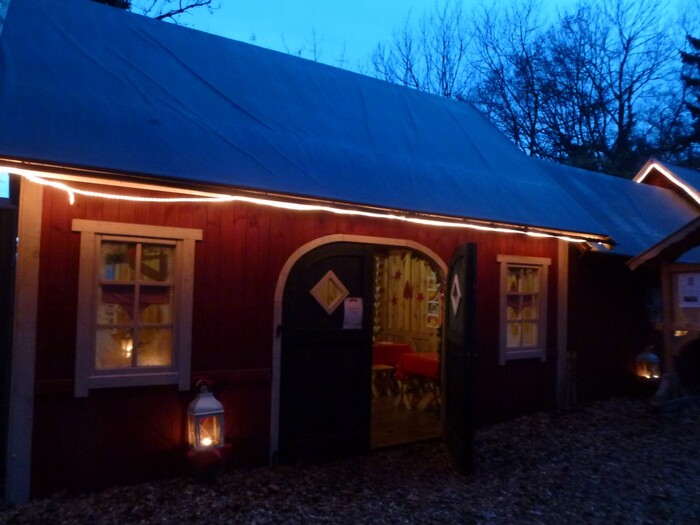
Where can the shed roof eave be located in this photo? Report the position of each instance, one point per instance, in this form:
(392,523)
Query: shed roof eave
(672,246)
(38,172)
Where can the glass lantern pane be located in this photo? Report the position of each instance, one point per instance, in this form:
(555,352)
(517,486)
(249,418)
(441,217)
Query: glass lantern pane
(191,438)
(529,307)
(513,335)
(209,431)
(116,305)
(529,334)
(114,348)
(155,347)
(156,263)
(155,303)
(118,261)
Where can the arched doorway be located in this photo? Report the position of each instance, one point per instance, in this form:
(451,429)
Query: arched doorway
(340,302)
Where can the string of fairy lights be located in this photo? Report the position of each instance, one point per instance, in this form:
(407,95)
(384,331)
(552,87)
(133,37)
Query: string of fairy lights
(57,181)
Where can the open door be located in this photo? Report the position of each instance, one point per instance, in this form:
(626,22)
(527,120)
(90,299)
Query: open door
(459,352)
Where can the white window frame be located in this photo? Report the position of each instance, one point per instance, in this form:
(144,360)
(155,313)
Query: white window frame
(91,236)
(540,351)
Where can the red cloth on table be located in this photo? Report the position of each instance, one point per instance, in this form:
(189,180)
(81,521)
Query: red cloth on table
(425,364)
(388,353)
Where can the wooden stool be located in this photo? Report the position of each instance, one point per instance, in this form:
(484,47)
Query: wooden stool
(383,381)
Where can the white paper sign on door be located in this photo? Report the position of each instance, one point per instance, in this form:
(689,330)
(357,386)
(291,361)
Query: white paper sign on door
(353,313)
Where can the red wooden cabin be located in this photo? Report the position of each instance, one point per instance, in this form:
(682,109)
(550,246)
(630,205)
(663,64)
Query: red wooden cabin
(191,208)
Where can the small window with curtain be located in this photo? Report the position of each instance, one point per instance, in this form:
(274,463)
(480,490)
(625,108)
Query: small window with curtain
(523,307)
(134,305)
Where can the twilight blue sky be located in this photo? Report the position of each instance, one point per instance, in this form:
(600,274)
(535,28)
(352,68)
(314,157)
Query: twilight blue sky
(347,29)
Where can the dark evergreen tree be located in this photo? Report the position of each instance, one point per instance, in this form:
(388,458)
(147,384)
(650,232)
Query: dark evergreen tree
(691,79)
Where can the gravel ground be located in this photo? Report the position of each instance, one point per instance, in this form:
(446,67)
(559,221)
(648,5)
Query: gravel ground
(613,462)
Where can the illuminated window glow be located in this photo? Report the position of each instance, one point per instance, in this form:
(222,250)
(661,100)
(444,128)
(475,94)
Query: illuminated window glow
(523,319)
(134,305)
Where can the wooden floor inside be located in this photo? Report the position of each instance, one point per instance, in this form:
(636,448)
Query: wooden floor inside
(394,424)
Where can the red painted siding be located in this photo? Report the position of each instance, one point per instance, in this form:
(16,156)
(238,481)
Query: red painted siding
(125,435)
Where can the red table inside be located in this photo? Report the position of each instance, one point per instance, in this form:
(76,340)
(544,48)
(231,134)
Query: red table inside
(419,375)
(426,364)
(388,353)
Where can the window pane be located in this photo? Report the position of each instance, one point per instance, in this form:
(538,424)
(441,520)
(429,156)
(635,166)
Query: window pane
(513,280)
(513,310)
(156,263)
(513,335)
(155,304)
(531,279)
(155,347)
(116,305)
(529,334)
(529,307)
(118,261)
(114,348)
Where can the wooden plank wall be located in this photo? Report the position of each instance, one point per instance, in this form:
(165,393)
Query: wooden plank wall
(608,323)
(127,435)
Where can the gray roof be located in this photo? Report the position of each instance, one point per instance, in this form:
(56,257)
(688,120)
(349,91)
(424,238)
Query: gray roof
(681,245)
(635,215)
(84,85)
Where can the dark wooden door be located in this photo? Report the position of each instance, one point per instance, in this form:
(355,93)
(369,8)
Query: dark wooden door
(459,356)
(325,394)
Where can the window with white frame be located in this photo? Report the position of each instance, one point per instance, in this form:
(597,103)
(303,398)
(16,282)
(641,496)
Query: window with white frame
(134,305)
(523,307)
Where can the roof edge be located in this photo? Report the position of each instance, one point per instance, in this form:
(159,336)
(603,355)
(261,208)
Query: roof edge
(648,256)
(296,202)
(655,165)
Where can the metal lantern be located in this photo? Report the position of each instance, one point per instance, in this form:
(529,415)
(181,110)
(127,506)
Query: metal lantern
(648,364)
(205,421)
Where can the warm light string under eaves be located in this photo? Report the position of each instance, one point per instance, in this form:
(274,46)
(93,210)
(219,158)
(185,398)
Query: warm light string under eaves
(72,192)
(217,197)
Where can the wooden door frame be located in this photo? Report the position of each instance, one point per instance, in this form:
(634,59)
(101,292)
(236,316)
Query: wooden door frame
(429,254)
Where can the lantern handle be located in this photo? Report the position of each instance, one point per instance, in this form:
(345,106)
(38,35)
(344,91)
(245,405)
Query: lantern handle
(202,385)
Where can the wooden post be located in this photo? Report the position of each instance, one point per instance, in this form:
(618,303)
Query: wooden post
(21,410)
(564,375)
(669,365)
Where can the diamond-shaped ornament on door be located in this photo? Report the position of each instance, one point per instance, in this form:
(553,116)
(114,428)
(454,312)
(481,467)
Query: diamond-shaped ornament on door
(455,295)
(329,292)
